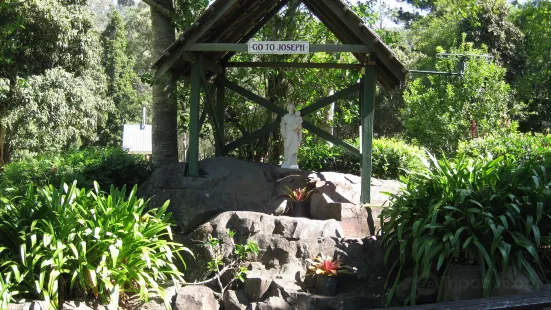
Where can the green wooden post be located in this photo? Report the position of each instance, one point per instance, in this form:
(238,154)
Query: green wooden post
(367,109)
(193,158)
(362,96)
(220,113)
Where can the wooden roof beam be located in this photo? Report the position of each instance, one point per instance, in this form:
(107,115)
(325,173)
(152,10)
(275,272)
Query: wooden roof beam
(246,24)
(388,81)
(224,35)
(234,24)
(256,28)
(166,63)
(383,56)
(333,26)
(206,63)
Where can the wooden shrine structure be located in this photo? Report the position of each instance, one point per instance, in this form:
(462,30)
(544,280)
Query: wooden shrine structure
(203,52)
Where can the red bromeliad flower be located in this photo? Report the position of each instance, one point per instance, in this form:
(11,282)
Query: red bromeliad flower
(325,265)
(330,267)
(299,194)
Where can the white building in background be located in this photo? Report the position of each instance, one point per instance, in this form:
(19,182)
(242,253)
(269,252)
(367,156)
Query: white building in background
(136,138)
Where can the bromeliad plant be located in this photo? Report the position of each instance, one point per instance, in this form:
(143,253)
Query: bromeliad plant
(327,266)
(71,243)
(300,194)
(494,213)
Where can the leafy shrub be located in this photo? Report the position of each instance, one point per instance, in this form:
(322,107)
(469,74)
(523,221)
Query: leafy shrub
(322,157)
(520,145)
(494,213)
(76,243)
(107,166)
(391,158)
(235,264)
(438,109)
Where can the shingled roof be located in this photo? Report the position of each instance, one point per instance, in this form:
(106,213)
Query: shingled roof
(237,21)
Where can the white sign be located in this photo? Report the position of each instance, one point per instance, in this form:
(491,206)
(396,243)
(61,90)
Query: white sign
(279,47)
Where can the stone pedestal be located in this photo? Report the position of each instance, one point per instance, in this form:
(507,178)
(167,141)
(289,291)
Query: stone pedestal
(353,218)
(337,196)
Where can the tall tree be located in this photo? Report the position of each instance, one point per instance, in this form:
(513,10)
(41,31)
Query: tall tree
(137,21)
(10,25)
(52,46)
(534,84)
(165,105)
(439,109)
(60,111)
(121,79)
(491,25)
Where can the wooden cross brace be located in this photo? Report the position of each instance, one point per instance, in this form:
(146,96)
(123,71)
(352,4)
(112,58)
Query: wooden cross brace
(281,112)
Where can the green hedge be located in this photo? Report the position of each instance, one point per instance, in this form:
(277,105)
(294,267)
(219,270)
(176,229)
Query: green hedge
(520,145)
(391,158)
(107,166)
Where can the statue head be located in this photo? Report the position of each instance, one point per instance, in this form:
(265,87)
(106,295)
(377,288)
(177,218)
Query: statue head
(291,108)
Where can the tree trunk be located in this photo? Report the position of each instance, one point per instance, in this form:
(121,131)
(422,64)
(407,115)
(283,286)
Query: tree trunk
(2,140)
(165,108)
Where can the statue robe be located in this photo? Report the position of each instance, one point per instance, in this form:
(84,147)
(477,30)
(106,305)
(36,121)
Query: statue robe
(291,130)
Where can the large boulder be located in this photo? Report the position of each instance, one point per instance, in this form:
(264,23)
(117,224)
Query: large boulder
(229,184)
(249,199)
(225,184)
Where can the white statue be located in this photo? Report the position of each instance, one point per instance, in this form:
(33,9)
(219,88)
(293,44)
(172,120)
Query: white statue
(291,131)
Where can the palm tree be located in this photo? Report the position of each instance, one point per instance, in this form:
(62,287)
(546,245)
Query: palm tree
(165,108)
